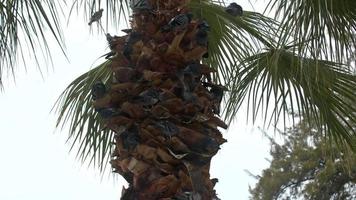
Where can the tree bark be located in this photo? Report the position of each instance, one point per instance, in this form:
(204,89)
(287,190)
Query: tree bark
(162,104)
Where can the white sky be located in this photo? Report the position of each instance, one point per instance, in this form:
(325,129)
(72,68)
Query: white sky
(35,163)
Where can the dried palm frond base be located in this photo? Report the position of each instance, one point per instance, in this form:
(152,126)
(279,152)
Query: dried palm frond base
(162,105)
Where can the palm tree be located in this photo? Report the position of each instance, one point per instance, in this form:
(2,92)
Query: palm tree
(153,107)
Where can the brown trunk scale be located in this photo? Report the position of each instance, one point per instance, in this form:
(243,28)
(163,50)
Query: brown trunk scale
(162,104)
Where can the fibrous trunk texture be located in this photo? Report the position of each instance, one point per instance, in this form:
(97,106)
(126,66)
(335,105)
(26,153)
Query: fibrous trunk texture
(162,104)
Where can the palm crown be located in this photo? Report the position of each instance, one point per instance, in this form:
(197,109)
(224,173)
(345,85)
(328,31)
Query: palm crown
(278,65)
(291,63)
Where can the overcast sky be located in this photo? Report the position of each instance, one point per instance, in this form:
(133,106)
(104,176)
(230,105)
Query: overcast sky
(36,163)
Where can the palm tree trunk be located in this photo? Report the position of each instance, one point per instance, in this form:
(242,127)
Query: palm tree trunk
(162,105)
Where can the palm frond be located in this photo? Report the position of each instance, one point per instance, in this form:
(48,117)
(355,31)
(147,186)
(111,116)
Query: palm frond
(86,129)
(23,24)
(277,82)
(329,26)
(232,39)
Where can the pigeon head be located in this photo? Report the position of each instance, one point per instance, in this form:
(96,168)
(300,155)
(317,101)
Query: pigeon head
(233,4)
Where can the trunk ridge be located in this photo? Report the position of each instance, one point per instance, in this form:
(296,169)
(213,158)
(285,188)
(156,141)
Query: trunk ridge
(162,104)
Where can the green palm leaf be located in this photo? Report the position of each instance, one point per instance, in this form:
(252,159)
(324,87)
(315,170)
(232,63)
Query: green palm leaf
(86,128)
(232,39)
(23,24)
(329,26)
(277,80)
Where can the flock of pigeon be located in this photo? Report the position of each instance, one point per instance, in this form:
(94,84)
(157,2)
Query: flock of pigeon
(162,104)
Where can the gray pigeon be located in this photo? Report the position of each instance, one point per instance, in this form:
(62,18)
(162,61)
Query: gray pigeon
(96,16)
(180,21)
(234,9)
(98,90)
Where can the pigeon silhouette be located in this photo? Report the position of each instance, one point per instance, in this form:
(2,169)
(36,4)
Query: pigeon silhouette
(234,9)
(96,16)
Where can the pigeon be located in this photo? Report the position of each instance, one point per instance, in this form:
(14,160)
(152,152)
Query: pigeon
(206,55)
(127,30)
(234,9)
(209,145)
(202,38)
(109,38)
(106,113)
(149,97)
(130,138)
(131,40)
(180,21)
(112,41)
(193,69)
(96,16)
(217,94)
(202,34)
(98,90)
(168,128)
(204,26)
